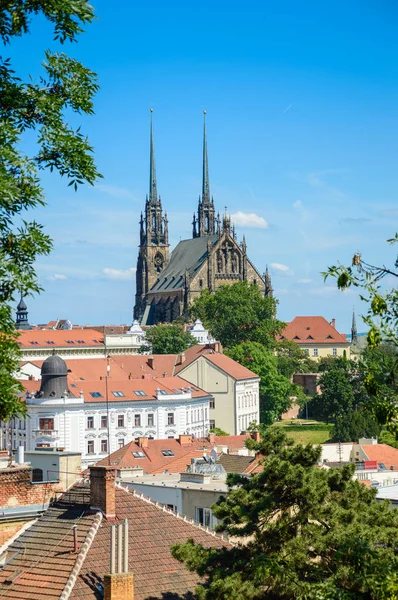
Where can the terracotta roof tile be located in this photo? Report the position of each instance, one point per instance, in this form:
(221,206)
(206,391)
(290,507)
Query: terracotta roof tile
(312,330)
(53,338)
(382,453)
(222,361)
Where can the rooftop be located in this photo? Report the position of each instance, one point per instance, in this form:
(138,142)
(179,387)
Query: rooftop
(312,330)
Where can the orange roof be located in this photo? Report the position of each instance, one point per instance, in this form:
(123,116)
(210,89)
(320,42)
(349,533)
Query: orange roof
(154,461)
(312,330)
(223,362)
(382,453)
(53,338)
(172,386)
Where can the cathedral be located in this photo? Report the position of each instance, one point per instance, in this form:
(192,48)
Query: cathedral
(167,283)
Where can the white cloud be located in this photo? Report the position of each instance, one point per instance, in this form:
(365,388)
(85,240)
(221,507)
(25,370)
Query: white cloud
(59,276)
(115,191)
(297,204)
(249,220)
(56,277)
(280,269)
(119,274)
(327,290)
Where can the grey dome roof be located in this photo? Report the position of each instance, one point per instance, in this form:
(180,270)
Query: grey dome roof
(22,305)
(54,365)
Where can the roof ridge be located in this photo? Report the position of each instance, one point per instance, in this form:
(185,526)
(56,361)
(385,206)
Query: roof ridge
(175,514)
(81,557)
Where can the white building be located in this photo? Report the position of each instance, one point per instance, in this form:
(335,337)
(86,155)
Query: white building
(98,416)
(201,334)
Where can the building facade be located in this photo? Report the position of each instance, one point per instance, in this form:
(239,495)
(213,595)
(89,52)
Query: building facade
(96,417)
(167,284)
(317,337)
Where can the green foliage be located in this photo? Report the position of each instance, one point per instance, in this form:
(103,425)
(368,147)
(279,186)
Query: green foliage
(218,431)
(306,533)
(292,359)
(276,390)
(351,426)
(39,109)
(167,339)
(238,313)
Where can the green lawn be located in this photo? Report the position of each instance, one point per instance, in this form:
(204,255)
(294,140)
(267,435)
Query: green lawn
(306,432)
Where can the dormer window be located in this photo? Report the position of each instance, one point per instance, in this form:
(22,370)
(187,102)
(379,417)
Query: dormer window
(296,337)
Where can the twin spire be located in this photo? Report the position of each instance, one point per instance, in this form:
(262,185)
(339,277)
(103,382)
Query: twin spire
(153,192)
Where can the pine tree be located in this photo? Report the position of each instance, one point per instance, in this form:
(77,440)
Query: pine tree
(299,532)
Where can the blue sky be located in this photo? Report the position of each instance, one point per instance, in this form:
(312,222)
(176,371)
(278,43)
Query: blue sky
(302,117)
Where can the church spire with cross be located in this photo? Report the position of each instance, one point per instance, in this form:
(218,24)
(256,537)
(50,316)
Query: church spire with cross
(155,224)
(205,223)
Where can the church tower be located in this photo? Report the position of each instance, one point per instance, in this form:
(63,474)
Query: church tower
(205,223)
(154,238)
(269,290)
(22,316)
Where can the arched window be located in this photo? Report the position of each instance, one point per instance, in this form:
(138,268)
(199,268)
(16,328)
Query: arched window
(37,475)
(153,221)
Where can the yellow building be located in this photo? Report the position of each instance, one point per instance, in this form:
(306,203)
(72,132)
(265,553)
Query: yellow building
(317,337)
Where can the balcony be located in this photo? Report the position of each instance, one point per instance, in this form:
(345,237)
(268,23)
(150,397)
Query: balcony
(47,433)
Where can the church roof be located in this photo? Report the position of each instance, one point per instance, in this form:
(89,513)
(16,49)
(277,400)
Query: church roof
(188,254)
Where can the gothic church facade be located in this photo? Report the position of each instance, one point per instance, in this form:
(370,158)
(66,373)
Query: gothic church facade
(167,284)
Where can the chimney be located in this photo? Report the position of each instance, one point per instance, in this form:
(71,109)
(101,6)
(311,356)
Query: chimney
(333,323)
(143,442)
(255,435)
(184,439)
(119,583)
(182,358)
(151,362)
(102,490)
(212,438)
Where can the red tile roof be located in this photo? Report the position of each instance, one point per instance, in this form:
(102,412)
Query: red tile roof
(59,338)
(155,462)
(312,330)
(43,556)
(382,453)
(222,361)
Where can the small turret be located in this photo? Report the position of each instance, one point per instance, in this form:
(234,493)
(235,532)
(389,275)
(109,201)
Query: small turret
(22,322)
(54,378)
(268,290)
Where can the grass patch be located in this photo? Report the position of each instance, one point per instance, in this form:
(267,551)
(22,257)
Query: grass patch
(309,432)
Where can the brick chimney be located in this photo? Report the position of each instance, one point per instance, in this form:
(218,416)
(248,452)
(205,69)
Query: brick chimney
(333,323)
(212,438)
(255,435)
(184,439)
(102,490)
(143,442)
(151,362)
(119,586)
(182,358)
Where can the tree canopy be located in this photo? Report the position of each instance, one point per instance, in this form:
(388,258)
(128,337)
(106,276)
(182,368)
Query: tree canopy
(167,339)
(238,313)
(37,108)
(306,533)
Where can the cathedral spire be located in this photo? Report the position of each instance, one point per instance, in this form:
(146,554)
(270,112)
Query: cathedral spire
(354,332)
(205,177)
(268,290)
(153,192)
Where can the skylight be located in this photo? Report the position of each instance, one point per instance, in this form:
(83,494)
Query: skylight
(163,392)
(140,393)
(49,342)
(96,394)
(138,454)
(118,394)
(167,452)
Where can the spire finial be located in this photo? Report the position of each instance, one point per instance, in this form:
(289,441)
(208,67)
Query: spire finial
(153,193)
(354,332)
(268,289)
(205,178)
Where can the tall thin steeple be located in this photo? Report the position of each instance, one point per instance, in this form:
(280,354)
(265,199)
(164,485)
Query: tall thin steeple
(354,332)
(268,290)
(153,191)
(205,224)
(205,176)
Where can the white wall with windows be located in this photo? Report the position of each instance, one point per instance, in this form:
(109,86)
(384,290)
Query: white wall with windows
(248,403)
(78,426)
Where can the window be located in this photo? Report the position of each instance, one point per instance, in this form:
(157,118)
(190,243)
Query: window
(90,422)
(104,445)
(168,452)
(139,393)
(46,424)
(90,447)
(37,475)
(118,394)
(137,420)
(95,394)
(151,421)
(170,418)
(120,420)
(104,421)
(163,392)
(138,454)
(334,351)
(120,442)
(315,351)
(212,423)
(200,283)
(204,516)
(212,403)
